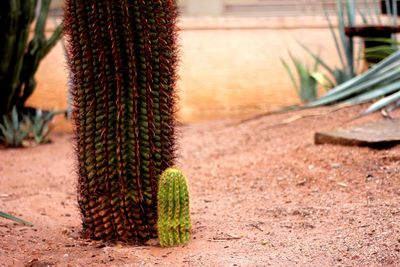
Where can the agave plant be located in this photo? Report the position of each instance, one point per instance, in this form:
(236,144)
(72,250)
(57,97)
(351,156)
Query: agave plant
(380,81)
(346,46)
(40,126)
(13,218)
(387,47)
(306,84)
(346,14)
(13,130)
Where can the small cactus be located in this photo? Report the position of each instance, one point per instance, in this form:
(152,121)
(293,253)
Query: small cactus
(173,209)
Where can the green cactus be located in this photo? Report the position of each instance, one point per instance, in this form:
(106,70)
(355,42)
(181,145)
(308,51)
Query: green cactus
(122,55)
(174,223)
(20,55)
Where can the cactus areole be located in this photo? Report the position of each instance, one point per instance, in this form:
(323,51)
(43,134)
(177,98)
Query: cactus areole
(122,56)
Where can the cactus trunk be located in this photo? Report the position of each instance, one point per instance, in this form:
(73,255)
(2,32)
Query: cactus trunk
(123,58)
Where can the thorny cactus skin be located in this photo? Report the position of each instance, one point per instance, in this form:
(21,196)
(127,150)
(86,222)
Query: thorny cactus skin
(123,60)
(174,223)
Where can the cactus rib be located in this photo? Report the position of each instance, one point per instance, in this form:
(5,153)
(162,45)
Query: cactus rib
(116,53)
(174,223)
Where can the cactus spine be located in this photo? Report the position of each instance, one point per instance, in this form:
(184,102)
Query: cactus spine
(173,209)
(20,56)
(123,59)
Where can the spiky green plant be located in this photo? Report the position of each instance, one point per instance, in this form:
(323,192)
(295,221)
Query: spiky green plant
(380,81)
(21,55)
(174,223)
(13,131)
(13,218)
(40,124)
(122,55)
(386,47)
(350,59)
(305,81)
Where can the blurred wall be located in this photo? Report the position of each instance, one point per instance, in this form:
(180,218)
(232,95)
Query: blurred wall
(229,67)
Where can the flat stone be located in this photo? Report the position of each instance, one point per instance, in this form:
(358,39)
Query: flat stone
(377,134)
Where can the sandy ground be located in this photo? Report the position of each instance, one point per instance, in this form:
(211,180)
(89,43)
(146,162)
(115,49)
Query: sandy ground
(262,194)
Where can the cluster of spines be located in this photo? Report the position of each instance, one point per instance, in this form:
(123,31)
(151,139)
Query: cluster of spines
(123,62)
(174,223)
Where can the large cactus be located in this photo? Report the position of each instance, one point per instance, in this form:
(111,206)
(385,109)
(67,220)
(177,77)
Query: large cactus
(123,58)
(174,223)
(19,55)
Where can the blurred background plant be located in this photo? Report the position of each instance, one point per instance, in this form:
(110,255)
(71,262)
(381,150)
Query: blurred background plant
(13,130)
(381,81)
(377,50)
(378,53)
(18,131)
(40,125)
(303,78)
(21,56)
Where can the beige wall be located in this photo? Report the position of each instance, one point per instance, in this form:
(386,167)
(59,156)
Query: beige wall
(229,67)
(192,7)
(203,7)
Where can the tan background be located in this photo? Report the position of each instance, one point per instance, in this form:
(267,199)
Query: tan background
(229,67)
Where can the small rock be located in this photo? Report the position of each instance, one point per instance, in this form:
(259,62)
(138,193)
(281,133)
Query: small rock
(152,242)
(336,165)
(302,182)
(369,177)
(38,263)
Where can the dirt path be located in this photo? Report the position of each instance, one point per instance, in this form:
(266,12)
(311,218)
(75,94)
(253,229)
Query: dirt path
(262,195)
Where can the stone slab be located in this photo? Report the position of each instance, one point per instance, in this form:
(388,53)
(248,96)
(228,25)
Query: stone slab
(377,134)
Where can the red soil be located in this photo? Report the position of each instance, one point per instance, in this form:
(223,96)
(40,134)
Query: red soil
(262,194)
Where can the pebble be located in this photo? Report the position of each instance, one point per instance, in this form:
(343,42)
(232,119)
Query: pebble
(336,165)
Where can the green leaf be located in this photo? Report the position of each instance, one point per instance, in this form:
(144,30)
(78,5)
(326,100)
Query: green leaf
(354,89)
(382,103)
(335,38)
(13,130)
(14,118)
(345,42)
(323,80)
(380,67)
(317,58)
(15,219)
(375,93)
(289,71)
